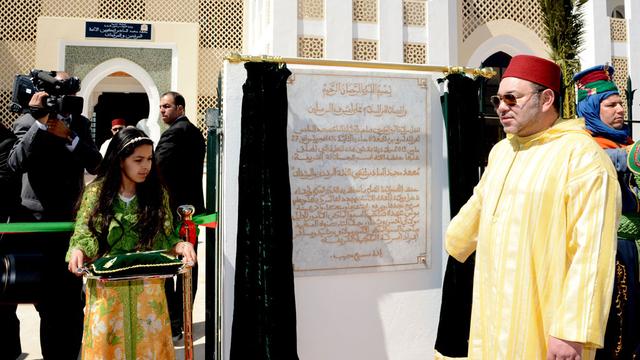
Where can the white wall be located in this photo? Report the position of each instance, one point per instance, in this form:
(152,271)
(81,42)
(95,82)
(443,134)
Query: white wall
(257,27)
(388,315)
(284,28)
(597,32)
(234,77)
(390,30)
(338,29)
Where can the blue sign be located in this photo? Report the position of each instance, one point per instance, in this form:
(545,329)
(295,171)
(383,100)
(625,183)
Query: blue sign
(111,30)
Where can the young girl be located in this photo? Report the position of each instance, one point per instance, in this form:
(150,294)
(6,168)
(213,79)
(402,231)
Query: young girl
(125,209)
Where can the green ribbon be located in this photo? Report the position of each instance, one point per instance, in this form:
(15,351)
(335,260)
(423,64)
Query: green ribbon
(205,219)
(38,227)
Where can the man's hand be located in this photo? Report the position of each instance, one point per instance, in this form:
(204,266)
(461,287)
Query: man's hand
(36,102)
(38,99)
(58,128)
(564,350)
(54,125)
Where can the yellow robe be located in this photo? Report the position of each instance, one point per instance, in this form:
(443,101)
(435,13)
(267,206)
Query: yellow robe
(543,222)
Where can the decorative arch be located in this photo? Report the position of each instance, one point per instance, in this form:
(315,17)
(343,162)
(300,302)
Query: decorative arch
(498,59)
(503,35)
(618,12)
(110,66)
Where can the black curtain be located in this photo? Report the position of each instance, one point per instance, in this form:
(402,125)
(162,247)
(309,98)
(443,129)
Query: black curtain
(264,318)
(460,105)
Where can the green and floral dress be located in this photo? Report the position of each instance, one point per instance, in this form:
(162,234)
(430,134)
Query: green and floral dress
(123,319)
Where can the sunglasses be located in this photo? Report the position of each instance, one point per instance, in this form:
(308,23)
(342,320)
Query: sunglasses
(508,99)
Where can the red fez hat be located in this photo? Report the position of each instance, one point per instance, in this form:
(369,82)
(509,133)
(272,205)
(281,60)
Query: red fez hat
(538,70)
(118,122)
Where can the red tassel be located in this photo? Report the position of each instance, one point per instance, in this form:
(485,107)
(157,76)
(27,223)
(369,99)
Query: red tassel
(188,232)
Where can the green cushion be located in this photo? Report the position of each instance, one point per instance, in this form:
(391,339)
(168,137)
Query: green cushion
(142,263)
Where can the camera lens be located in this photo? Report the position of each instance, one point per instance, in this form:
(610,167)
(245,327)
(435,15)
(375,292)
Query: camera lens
(21,278)
(4,274)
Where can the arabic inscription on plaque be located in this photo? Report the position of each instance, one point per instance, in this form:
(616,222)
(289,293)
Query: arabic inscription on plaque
(358,170)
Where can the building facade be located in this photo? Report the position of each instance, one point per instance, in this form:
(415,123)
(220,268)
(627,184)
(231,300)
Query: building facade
(438,32)
(381,316)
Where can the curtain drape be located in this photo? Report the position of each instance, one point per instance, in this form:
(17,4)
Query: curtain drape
(460,108)
(264,318)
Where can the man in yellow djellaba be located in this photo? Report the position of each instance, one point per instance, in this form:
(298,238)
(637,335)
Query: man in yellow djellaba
(542,221)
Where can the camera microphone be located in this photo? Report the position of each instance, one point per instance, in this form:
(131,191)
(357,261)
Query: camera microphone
(46,77)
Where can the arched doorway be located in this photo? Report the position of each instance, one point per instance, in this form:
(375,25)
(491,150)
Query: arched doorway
(133,71)
(118,95)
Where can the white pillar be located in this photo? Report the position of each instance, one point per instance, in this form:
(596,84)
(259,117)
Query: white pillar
(442,32)
(632,13)
(390,27)
(442,49)
(338,20)
(255,25)
(284,19)
(597,34)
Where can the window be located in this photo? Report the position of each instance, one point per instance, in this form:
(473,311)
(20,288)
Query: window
(618,12)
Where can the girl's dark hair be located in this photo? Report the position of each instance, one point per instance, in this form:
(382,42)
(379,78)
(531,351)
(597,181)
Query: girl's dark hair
(151,213)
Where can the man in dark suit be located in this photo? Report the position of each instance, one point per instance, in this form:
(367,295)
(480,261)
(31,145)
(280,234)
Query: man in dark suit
(51,153)
(180,158)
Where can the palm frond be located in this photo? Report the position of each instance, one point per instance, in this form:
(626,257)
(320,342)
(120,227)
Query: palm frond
(564,29)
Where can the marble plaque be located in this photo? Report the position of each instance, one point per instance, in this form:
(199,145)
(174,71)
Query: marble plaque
(358,169)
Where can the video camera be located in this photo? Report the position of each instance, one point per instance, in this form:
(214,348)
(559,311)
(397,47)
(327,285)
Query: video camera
(60,99)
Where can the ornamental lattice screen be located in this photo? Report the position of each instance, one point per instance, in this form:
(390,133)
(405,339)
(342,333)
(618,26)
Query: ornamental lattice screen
(220,33)
(475,13)
(414,13)
(618,29)
(621,66)
(311,9)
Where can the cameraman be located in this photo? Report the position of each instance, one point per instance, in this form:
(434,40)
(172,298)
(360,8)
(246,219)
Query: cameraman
(52,152)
